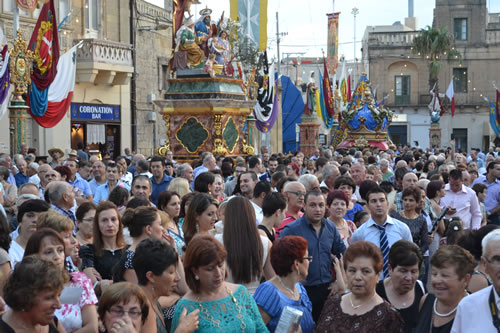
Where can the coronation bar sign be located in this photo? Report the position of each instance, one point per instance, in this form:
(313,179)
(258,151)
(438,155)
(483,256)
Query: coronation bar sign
(95,112)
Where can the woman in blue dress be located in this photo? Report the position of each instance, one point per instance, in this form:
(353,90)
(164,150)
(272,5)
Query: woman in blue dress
(290,261)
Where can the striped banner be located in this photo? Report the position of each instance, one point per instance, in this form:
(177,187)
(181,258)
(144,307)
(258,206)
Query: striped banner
(252,16)
(332,60)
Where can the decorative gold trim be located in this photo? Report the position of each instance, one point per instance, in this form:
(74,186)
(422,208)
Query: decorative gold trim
(166,118)
(20,65)
(207,110)
(237,138)
(217,123)
(180,142)
(219,147)
(205,79)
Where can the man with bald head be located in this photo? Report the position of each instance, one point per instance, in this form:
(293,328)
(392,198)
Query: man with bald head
(330,172)
(295,192)
(99,173)
(358,174)
(62,199)
(410,180)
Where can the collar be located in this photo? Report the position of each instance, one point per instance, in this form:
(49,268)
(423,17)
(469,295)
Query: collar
(371,222)
(287,214)
(448,189)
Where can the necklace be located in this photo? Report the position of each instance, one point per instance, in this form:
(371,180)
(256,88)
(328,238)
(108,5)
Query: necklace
(216,322)
(358,306)
(443,314)
(288,289)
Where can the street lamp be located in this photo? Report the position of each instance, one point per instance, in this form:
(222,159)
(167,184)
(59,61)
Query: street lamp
(355,11)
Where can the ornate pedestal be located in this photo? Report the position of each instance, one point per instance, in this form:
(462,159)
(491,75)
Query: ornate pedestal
(206,114)
(309,129)
(435,135)
(18,117)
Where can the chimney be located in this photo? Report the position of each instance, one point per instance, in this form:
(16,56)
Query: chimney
(410,8)
(411,21)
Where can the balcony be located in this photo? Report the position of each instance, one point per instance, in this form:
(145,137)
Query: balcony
(392,39)
(104,62)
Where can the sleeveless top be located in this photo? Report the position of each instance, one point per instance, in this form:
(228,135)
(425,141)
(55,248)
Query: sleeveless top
(409,314)
(425,318)
(5,328)
(160,327)
(271,236)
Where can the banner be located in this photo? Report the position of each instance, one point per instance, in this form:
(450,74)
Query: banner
(252,16)
(5,87)
(493,119)
(323,110)
(327,90)
(59,94)
(498,106)
(332,59)
(266,110)
(44,44)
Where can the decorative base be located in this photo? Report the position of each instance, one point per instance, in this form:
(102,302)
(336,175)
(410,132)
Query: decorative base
(435,136)
(309,130)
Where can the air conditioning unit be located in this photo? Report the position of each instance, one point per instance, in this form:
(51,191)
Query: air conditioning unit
(152,117)
(151,98)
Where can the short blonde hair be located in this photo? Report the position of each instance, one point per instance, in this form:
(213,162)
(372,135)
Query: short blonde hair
(164,218)
(179,185)
(53,220)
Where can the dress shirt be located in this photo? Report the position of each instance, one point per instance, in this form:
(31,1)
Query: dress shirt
(102,192)
(394,229)
(473,313)
(82,184)
(259,214)
(68,213)
(320,247)
(159,187)
(492,198)
(21,179)
(467,206)
(94,185)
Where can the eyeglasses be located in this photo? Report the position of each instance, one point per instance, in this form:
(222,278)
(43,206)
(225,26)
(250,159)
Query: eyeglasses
(298,194)
(133,314)
(310,258)
(494,262)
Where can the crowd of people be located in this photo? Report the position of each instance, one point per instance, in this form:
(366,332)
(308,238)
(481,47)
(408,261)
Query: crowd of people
(402,240)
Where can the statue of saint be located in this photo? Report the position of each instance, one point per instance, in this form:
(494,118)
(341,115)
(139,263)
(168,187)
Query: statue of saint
(311,106)
(186,41)
(205,29)
(221,48)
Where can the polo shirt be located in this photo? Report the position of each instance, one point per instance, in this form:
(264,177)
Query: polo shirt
(102,191)
(82,184)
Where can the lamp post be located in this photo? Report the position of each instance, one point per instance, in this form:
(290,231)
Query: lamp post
(355,12)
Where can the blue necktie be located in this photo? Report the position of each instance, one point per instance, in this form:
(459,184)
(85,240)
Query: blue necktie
(384,247)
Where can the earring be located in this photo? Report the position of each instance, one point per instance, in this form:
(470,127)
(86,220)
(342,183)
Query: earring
(196,277)
(197,227)
(153,288)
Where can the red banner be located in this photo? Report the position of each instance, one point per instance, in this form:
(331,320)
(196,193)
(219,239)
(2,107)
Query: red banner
(327,91)
(332,59)
(44,44)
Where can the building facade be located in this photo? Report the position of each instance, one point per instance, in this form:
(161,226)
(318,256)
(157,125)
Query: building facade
(404,77)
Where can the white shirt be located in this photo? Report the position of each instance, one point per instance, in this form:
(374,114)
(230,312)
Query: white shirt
(259,214)
(395,230)
(16,253)
(473,313)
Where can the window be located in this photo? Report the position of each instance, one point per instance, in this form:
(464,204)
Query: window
(402,89)
(460,135)
(460,80)
(460,29)
(92,16)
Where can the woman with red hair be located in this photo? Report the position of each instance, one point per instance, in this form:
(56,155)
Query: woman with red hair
(290,261)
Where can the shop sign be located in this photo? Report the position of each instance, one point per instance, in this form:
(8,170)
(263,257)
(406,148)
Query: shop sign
(95,112)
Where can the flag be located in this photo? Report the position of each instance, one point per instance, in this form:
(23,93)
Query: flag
(5,87)
(292,108)
(343,88)
(323,110)
(252,16)
(349,88)
(498,107)
(333,42)
(493,117)
(451,95)
(327,91)
(60,92)
(266,109)
(44,44)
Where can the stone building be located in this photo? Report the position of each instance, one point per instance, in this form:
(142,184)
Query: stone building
(404,77)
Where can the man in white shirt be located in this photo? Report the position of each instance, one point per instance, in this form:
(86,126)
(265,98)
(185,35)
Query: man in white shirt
(260,190)
(475,313)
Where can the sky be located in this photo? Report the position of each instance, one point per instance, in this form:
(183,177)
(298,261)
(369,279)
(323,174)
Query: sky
(305,22)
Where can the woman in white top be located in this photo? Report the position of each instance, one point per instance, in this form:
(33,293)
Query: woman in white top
(247,257)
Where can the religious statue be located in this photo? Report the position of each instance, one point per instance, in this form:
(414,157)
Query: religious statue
(205,30)
(252,86)
(209,65)
(220,48)
(310,107)
(186,41)
(436,108)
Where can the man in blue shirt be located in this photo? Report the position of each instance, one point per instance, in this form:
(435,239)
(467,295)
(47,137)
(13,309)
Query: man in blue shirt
(323,241)
(492,200)
(160,180)
(113,179)
(84,192)
(21,177)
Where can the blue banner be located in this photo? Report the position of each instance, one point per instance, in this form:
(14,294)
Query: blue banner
(95,112)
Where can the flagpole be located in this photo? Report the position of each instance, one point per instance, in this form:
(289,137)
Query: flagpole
(16,19)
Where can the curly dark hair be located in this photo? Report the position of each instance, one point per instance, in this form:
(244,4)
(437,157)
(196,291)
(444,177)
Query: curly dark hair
(23,286)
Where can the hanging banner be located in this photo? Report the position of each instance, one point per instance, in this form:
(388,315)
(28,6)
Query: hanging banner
(28,5)
(252,16)
(332,59)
